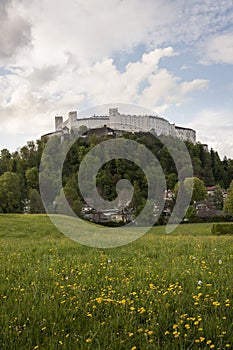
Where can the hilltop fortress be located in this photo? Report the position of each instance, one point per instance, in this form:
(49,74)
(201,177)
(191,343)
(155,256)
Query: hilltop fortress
(121,122)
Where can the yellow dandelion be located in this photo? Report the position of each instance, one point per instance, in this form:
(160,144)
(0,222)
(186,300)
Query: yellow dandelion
(216,303)
(141,310)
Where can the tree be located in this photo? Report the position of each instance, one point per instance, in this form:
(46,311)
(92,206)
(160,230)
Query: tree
(36,206)
(198,193)
(5,158)
(218,197)
(228,204)
(171,180)
(72,194)
(228,171)
(10,193)
(190,213)
(62,208)
(217,167)
(32,178)
(50,182)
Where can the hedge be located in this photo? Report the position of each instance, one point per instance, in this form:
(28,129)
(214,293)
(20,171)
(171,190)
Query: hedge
(222,229)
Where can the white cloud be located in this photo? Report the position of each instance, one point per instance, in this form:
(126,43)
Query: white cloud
(59,54)
(37,94)
(91,30)
(190,86)
(219,49)
(214,127)
(15,34)
(168,90)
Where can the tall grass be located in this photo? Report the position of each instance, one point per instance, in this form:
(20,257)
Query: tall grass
(164,291)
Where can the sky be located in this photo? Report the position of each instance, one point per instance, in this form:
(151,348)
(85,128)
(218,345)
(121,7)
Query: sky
(172,57)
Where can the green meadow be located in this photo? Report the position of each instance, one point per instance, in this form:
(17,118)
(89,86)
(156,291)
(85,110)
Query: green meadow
(163,291)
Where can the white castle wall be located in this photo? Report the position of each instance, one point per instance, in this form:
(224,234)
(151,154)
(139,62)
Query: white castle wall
(127,122)
(92,123)
(186,134)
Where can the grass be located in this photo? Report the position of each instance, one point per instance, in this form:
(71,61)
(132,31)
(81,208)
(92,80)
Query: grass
(185,229)
(164,291)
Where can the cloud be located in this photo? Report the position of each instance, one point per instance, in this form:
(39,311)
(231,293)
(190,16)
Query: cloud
(4,4)
(166,89)
(41,76)
(219,49)
(190,86)
(214,127)
(91,30)
(15,31)
(37,94)
(125,86)
(88,30)
(57,55)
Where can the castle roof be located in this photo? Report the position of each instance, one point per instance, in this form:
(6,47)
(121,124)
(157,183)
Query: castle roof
(182,128)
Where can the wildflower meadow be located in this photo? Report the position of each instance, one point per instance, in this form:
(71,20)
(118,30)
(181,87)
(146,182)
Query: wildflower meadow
(164,291)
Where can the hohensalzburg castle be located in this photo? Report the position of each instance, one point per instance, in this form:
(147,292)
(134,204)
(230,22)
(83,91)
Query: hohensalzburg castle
(122,122)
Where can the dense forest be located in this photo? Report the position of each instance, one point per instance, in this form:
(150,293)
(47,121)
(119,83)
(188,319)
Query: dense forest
(19,172)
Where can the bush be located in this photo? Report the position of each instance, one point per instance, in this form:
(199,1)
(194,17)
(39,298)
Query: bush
(221,218)
(196,220)
(222,229)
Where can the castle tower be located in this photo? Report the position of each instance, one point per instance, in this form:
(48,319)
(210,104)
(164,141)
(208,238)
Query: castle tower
(114,116)
(58,123)
(72,118)
(113,112)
